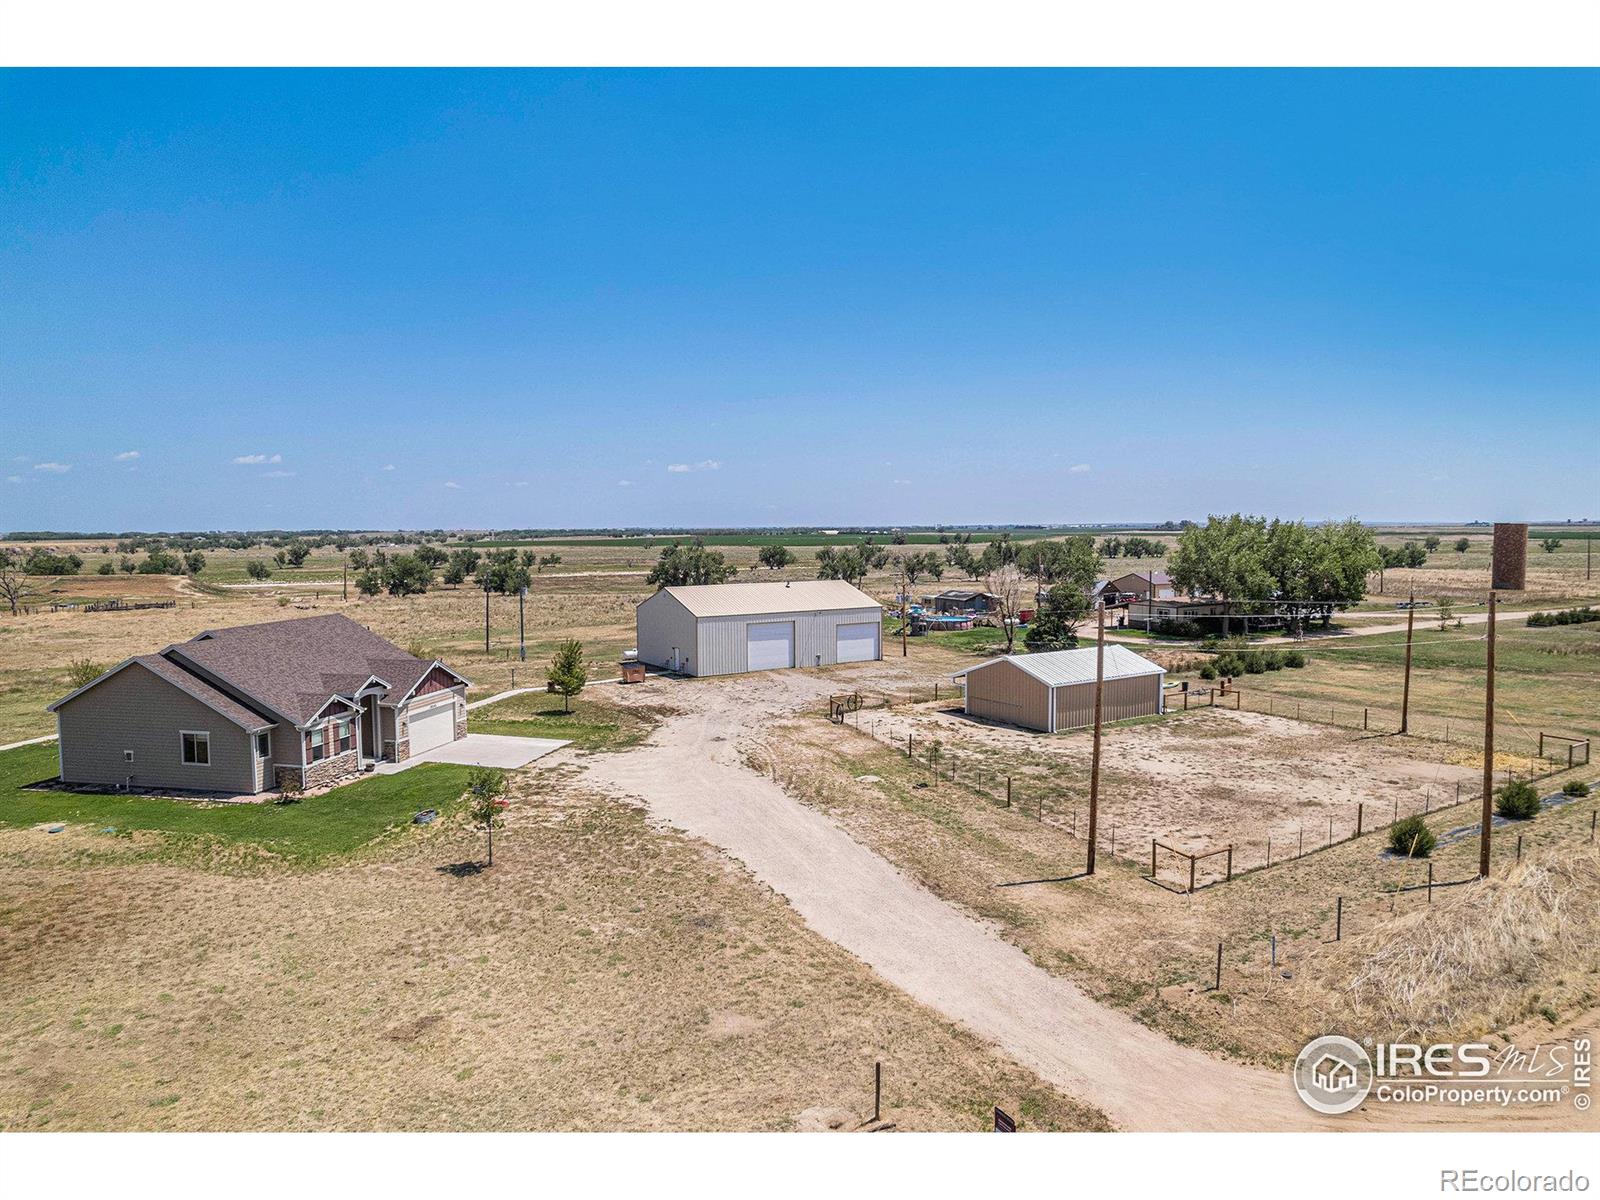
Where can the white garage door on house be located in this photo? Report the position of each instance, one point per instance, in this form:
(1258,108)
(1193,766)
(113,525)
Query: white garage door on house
(432,727)
(769,645)
(858,643)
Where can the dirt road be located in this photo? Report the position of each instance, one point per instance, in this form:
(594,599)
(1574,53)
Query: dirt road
(690,775)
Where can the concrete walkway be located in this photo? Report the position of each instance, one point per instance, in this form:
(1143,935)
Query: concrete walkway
(38,741)
(499,696)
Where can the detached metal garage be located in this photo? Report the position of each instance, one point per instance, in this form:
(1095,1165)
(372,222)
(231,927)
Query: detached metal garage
(727,628)
(1055,691)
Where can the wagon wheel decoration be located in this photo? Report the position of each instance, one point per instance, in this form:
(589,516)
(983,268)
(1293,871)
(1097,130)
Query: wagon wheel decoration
(852,703)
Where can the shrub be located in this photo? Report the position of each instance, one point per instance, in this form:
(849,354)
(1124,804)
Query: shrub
(1411,837)
(1518,800)
(1229,665)
(1272,660)
(1170,627)
(1208,671)
(1295,659)
(1254,664)
(81,671)
(1575,787)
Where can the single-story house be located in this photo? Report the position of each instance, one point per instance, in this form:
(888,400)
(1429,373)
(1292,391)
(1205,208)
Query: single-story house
(1138,585)
(242,710)
(1055,691)
(726,628)
(960,600)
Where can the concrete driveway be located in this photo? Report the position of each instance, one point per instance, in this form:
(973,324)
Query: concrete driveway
(481,750)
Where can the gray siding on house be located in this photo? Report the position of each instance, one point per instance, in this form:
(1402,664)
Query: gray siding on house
(139,711)
(722,641)
(662,623)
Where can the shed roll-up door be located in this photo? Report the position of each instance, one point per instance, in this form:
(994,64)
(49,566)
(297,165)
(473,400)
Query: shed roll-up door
(433,727)
(769,645)
(857,643)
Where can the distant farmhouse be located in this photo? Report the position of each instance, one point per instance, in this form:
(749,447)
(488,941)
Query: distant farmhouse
(246,709)
(727,628)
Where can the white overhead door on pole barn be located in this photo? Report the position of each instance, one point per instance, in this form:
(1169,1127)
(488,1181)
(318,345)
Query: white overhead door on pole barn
(769,645)
(857,643)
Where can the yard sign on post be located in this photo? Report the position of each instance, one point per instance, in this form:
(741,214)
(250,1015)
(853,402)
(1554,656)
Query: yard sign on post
(1004,1122)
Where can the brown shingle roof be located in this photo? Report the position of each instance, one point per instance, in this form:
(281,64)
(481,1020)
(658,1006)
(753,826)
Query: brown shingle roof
(294,666)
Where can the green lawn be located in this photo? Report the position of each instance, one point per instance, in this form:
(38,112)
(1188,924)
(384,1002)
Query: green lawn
(589,726)
(303,832)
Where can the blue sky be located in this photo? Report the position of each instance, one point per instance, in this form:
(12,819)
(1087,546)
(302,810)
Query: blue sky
(556,298)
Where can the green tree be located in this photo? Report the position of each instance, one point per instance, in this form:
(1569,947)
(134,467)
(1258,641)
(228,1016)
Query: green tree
(548,560)
(463,562)
(486,801)
(257,569)
(568,672)
(1055,624)
(194,562)
(49,562)
(126,565)
(841,562)
(960,556)
(1111,547)
(680,565)
(1461,545)
(358,559)
(1414,555)
(369,582)
(432,556)
(1447,609)
(1430,543)
(296,552)
(1411,837)
(406,575)
(775,557)
(81,671)
(161,562)
(106,568)
(1551,544)
(1226,558)
(1518,800)
(503,571)
(1071,560)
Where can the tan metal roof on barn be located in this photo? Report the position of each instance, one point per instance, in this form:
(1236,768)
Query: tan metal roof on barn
(1058,668)
(757,599)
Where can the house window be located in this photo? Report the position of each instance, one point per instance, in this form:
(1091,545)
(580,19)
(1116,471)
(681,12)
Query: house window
(344,733)
(264,744)
(316,744)
(196,749)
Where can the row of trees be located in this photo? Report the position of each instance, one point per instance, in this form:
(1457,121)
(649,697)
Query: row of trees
(1133,547)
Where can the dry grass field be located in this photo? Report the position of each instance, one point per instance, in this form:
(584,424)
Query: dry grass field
(603,975)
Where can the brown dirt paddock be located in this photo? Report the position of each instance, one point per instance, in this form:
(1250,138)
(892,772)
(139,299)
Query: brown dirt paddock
(1199,781)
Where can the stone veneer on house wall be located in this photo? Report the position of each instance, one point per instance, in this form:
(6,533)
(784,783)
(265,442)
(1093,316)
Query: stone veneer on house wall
(323,773)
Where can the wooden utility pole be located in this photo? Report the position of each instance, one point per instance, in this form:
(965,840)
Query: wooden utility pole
(1488,751)
(1094,761)
(905,612)
(344,577)
(486,614)
(522,625)
(1405,691)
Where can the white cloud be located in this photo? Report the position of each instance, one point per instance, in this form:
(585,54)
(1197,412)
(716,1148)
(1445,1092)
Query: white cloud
(624,483)
(708,464)
(902,481)
(520,483)
(125,456)
(1078,469)
(251,459)
(388,466)
(452,484)
(54,468)
(13,478)
(276,474)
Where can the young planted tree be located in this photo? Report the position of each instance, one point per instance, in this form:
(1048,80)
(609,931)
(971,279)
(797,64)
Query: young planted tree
(81,671)
(194,562)
(568,672)
(1461,545)
(257,569)
(1431,542)
(370,581)
(486,801)
(1551,544)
